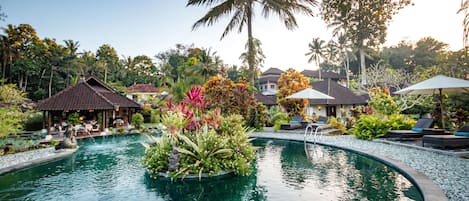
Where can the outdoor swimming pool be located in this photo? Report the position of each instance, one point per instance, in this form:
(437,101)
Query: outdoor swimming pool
(110,169)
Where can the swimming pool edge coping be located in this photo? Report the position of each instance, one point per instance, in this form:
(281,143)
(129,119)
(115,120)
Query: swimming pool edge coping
(430,191)
(61,153)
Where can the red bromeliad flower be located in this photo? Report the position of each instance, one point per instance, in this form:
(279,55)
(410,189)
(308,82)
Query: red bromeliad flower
(195,98)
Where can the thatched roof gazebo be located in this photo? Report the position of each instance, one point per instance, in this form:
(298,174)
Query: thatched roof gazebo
(92,99)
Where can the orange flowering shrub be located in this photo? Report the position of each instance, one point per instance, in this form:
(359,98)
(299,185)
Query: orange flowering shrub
(289,83)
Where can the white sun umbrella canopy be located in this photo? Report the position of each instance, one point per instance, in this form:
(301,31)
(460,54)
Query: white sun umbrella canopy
(309,94)
(438,85)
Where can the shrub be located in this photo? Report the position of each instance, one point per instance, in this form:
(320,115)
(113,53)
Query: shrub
(74,119)
(278,123)
(279,116)
(33,122)
(137,120)
(337,125)
(289,83)
(369,127)
(257,117)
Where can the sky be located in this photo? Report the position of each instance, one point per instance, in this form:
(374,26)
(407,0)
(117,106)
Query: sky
(148,27)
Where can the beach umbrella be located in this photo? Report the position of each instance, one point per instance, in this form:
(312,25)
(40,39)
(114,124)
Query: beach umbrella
(309,94)
(439,84)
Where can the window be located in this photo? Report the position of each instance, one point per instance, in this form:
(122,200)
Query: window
(272,86)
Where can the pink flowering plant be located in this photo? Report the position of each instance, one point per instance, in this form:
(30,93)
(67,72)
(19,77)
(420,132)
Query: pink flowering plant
(199,141)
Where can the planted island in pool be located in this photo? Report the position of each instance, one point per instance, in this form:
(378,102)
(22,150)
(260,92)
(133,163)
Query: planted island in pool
(198,141)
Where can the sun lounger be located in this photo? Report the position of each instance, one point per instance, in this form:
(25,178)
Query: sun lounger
(459,139)
(416,131)
(294,124)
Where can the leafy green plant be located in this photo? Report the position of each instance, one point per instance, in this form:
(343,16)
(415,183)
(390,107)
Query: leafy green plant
(337,125)
(279,116)
(137,120)
(33,122)
(74,119)
(369,127)
(278,123)
(204,154)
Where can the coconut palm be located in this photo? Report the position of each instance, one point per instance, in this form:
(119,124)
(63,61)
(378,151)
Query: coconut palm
(464,8)
(316,52)
(242,14)
(72,48)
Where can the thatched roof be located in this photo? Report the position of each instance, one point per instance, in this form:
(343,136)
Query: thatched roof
(86,95)
(342,95)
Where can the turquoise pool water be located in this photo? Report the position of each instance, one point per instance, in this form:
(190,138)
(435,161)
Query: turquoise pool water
(110,169)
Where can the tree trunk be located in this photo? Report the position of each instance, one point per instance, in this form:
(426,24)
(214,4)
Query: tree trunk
(362,66)
(50,82)
(347,69)
(105,73)
(319,69)
(250,44)
(25,82)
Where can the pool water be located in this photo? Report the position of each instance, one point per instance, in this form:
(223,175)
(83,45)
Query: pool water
(110,169)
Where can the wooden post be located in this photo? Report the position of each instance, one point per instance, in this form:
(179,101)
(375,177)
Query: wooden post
(44,119)
(49,121)
(103,126)
(441,108)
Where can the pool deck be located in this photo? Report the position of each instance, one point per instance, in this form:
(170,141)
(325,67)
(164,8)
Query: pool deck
(439,175)
(21,160)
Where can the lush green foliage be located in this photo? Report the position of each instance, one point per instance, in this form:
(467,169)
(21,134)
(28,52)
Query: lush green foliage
(137,120)
(198,141)
(381,117)
(279,116)
(11,116)
(289,83)
(74,119)
(33,122)
(369,127)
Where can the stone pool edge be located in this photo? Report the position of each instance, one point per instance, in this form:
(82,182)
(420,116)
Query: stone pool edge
(58,155)
(430,191)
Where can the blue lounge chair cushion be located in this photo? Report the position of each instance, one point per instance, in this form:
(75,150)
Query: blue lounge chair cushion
(294,122)
(459,133)
(320,122)
(418,130)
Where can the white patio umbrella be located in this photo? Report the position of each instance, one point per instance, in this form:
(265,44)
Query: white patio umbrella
(309,94)
(441,84)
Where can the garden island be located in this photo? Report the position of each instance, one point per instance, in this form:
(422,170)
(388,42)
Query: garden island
(362,120)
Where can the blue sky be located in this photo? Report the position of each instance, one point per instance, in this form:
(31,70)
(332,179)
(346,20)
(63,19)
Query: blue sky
(136,27)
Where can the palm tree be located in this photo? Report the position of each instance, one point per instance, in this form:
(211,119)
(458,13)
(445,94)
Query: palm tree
(208,64)
(72,48)
(464,8)
(242,13)
(344,46)
(316,52)
(258,54)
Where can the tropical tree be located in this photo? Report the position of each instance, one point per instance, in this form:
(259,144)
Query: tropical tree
(316,52)
(259,56)
(107,57)
(464,8)
(346,53)
(242,14)
(365,21)
(71,47)
(207,63)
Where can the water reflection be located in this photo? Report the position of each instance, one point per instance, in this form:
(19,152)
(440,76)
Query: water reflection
(111,169)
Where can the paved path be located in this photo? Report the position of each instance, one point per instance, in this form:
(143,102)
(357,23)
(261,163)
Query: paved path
(450,173)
